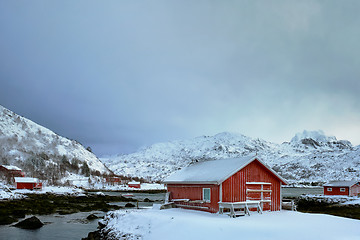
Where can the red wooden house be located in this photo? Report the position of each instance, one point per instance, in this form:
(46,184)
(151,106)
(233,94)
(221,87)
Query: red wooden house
(12,171)
(113,180)
(134,184)
(203,185)
(346,188)
(27,183)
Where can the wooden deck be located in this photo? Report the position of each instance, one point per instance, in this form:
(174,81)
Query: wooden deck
(239,208)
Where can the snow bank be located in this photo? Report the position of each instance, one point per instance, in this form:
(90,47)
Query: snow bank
(143,186)
(181,224)
(7,194)
(343,200)
(53,190)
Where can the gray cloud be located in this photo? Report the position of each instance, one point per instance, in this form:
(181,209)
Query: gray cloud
(118,75)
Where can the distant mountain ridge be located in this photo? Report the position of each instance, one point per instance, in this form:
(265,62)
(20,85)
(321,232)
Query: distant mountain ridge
(42,153)
(310,156)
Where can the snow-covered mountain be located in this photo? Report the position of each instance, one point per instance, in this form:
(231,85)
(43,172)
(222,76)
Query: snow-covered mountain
(310,156)
(41,152)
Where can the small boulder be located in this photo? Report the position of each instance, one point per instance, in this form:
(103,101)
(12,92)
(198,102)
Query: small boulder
(92,217)
(30,223)
(129,205)
(93,236)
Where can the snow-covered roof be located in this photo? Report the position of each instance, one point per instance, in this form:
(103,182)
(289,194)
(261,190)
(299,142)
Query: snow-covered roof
(341,183)
(26,179)
(134,183)
(213,172)
(8,167)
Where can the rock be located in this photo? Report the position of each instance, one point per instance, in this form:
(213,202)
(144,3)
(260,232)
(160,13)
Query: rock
(93,236)
(92,217)
(129,205)
(30,223)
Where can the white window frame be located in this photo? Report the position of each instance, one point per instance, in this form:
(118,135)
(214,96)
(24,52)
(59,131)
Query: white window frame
(329,189)
(203,192)
(342,190)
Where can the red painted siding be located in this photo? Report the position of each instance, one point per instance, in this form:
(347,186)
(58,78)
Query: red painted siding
(193,192)
(234,188)
(20,185)
(354,191)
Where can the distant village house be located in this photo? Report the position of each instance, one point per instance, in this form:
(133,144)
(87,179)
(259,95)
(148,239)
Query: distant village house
(27,183)
(10,172)
(133,184)
(345,188)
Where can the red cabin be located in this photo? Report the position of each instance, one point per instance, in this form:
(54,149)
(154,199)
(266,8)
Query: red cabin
(113,180)
(134,184)
(11,171)
(27,183)
(204,185)
(345,188)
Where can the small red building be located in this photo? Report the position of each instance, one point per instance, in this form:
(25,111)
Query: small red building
(346,188)
(27,183)
(12,171)
(134,184)
(113,180)
(203,185)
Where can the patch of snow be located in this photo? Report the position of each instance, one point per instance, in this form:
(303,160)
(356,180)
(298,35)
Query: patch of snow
(180,224)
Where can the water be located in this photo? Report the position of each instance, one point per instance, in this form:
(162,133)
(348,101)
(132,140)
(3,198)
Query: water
(295,192)
(72,226)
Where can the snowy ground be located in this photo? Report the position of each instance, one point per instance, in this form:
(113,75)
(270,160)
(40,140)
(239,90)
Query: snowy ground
(336,199)
(143,186)
(180,224)
(6,193)
(54,190)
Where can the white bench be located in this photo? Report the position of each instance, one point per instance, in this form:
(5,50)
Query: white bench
(239,205)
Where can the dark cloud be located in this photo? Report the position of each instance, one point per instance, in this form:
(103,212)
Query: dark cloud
(119,75)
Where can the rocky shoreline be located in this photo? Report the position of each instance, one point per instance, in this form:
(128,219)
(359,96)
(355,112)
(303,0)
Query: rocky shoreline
(335,205)
(41,204)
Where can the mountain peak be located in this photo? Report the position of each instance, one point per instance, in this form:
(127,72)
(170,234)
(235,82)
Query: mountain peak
(318,136)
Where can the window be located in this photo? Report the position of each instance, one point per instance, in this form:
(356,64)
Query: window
(329,189)
(342,189)
(206,194)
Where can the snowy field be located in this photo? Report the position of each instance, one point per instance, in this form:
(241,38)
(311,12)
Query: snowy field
(180,224)
(7,194)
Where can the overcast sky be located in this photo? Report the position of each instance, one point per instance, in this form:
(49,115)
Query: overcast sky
(118,75)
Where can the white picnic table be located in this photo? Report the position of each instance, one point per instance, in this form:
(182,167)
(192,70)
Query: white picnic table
(239,205)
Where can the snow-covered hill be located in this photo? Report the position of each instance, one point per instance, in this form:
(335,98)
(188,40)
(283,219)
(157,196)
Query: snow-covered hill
(310,156)
(41,152)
